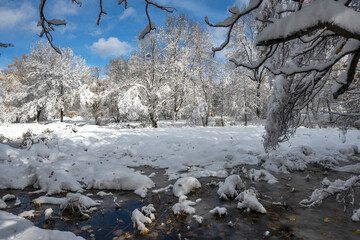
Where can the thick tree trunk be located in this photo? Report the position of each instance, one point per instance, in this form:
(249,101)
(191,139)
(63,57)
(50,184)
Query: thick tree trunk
(153,120)
(38,115)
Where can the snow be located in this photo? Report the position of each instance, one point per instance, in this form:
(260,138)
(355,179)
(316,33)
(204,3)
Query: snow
(356,215)
(140,220)
(219,210)
(48,212)
(93,158)
(259,175)
(318,12)
(198,218)
(102,194)
(228,188)
(248,200)
(340,188)
(27,214)
(184,206)
(2,204)
(184,185)
(8,197)
(142,191)
(49,200)
(15,227)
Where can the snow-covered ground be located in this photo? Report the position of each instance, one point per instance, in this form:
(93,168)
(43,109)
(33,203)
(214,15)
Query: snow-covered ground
(75,157)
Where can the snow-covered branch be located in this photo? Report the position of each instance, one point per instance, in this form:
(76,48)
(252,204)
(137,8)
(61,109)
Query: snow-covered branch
(339,188)
(329,14)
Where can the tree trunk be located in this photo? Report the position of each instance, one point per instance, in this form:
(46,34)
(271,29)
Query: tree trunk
(153,119)
(61,115)
(38,115)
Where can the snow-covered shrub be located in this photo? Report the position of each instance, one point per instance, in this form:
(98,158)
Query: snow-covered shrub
(184,206)
(228,188)
(184,185)
(259,175)
(77,202)
(249,200)
(219,210)
(139,219)
(356,215)
(343,190)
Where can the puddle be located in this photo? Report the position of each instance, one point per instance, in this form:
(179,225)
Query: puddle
(287,221)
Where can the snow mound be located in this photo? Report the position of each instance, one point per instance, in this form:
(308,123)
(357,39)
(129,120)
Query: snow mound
(228,188)
(27,214)
(49,200)
(248,200)
(142,192)
(259,175)
(356,215)
(123,180)
(15,227)
(54,181)
(184,185)
(48,214)
(2,204)
(198,218)
(184,206)
(219,210)
(149,211)
(102,194)
(16,177)
(139,220)
(8,197)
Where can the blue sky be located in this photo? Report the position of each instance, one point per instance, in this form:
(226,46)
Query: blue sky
(97,44)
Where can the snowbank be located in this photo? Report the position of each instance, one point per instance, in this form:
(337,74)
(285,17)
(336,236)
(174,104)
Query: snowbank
(15,227)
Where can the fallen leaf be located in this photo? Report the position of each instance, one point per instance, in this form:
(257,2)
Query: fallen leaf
(144,232)
(292,219)
(326,219)
(127,235)
(357,232)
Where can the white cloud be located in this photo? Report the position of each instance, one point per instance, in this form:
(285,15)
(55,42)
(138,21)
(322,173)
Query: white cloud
(62,8)
(22,17)
(112,47)
(128,13)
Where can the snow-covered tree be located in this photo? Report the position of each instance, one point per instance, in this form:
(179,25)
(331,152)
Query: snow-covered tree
(92,96)
(49,86)
(147,74)
(300,41)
